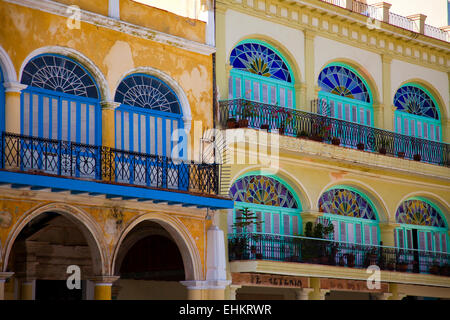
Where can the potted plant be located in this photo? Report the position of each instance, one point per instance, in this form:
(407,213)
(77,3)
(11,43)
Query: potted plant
(417,157)
(444,270)
(391,265)
(231,123)
(402,266)
(265,127)
(384,144)
(335,141)
(371,258)
(281,129)
(360,146)
(401,154)
(350,259)
(302,134)
(435,268)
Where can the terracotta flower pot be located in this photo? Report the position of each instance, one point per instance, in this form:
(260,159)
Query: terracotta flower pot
(417,157)
(243,123)
(401,154)
(382,150)
(360,146)
(231,123)
(336,141)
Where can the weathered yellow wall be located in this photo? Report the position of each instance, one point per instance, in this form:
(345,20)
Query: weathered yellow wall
(114,53)
(96,6)
(162,20)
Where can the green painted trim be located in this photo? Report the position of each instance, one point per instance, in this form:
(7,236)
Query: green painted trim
(256,173)
(413,84)
(272,48)
(341,64)
(362,195)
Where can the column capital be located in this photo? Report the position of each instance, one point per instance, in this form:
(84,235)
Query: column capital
(109,104)
(386,58)
(309,34)
(104,280)
(14,86)
(5,276)
(303,294)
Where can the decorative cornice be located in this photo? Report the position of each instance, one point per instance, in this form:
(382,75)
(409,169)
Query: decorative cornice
(117,25)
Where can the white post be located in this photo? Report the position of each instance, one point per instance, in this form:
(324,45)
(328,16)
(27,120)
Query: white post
(114,9)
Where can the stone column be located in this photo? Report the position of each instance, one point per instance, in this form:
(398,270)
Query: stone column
(12,106)
(387,233)
(114,9)
(3,277)
(222,62)
(103,287)
(108,123)
(233,290)
(317,293)
(387,122)
(303,294)
(395,294)
(194,289)
(27,288)
(309,68)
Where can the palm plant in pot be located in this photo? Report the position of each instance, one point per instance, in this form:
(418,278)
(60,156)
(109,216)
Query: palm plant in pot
(384,143)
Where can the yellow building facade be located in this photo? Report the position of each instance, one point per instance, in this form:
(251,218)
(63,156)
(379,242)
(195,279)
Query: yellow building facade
(97,95)
(311,92)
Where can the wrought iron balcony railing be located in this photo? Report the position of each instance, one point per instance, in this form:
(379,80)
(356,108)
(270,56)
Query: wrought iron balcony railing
(68,159)
(257,246)
(244,113)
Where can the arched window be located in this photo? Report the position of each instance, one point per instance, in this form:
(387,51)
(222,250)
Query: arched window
(61,101)
(417,113)
(148,116)
(345,94)
(352,215)
(273,202)
(260,74)
(422,226)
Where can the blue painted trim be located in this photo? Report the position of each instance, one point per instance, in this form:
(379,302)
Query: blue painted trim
(58,184)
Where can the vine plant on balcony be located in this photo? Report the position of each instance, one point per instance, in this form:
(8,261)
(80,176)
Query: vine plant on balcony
(315,251)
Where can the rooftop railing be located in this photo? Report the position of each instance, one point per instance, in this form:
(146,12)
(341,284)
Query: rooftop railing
(301,124)
(89,162)
(260,246)
(394,19)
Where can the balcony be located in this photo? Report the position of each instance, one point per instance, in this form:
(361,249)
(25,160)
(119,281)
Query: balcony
(258,246)
(81,168)
(243,113)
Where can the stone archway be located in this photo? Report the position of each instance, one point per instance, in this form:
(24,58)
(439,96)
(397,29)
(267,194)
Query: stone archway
(44,243)
(152,257)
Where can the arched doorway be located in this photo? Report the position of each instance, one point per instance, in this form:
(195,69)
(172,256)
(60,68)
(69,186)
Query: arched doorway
(42,253)
(150,265)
